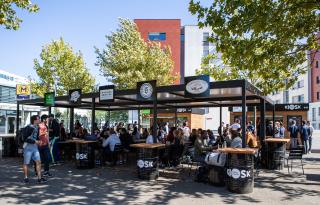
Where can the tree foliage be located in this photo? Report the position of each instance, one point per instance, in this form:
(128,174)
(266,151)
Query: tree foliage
(128,59)
(58,61)
(264,40)
(8,17)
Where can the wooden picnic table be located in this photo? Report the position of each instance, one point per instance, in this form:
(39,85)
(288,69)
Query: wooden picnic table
(277,140)
(148,146)
(237,150)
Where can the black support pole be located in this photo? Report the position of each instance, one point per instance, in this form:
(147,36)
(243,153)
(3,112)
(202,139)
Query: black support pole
(255,118)
(93,114)
(273,119)
(49,110)
(17,119)
(175,117)
(262,120)
(71,120)
(244,114)
(155,116)
(139,119)
(221,120)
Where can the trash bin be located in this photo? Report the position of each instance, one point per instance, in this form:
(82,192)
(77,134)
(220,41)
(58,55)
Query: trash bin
(148,160)
(240,175)
(147,164)
(216,175)
(9,148)
(84,155)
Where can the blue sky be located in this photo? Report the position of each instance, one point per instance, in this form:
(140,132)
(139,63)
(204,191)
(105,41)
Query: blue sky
(82,23)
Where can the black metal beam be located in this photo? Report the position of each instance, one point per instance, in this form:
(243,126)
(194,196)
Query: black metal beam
(93,115)
(17,119)
(244,116)
(71,120)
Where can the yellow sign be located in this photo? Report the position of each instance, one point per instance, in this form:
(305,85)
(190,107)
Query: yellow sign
(23,90)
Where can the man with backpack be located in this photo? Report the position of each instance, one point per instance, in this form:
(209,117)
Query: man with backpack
(30,148)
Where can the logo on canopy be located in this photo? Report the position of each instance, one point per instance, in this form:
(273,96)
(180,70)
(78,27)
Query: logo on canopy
(197,86)
(146,90)
(75,96)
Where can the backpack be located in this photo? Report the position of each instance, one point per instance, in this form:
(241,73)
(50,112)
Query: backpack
(25,133)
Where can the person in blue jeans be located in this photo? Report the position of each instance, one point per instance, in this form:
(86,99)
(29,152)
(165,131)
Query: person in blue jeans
(304,136)
(30,148)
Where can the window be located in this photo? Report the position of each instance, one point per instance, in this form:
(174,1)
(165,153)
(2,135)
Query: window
(314,125)
(313,114)
(286,96)
(182,37)
(7,94)
(300,84)
(318,95)
(318,79)
(317,64)
(298,99)
(156,36)
(319,111)
(205,44)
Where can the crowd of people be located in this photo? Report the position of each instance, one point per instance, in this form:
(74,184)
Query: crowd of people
(40,137)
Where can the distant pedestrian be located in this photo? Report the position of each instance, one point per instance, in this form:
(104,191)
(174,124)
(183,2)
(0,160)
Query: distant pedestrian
(221,129)
(310,132)
(281,130)
(304,136)
(293,130)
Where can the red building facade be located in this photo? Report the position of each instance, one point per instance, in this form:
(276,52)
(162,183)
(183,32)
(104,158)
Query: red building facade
(315,75)
(167,32)
(314,62)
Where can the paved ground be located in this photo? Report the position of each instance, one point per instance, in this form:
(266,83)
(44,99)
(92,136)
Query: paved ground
(120,186)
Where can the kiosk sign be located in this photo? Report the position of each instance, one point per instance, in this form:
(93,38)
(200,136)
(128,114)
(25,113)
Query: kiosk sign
(49,99)
(106,93)
(197,86)
(75,96)
(146,91)
(23,92)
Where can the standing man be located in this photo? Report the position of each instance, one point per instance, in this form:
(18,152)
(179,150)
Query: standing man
(293,129)
(30,148)
(305,136)
(310,135)
(54,134)
(221,129)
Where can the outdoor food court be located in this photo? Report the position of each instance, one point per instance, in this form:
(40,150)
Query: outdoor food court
(231,160)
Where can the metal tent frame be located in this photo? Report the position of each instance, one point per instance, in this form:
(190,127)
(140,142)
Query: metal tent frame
(222,94)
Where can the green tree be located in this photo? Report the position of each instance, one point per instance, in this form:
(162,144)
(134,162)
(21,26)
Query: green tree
(128,59)
(59,62)
(8,17)
(266,40)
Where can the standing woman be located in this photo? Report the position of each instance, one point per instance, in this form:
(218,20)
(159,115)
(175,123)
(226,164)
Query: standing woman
(43,146)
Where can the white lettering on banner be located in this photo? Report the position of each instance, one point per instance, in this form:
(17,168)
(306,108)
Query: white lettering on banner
(236,173)
(144,164)
(106,94)
(293,107)
(81,156)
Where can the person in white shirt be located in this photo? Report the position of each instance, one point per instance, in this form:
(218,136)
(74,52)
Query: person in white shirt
(186,131)
(111,141)
(236,125)
(166,128)
(150,139)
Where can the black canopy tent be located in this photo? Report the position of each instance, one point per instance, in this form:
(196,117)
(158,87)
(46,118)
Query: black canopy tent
(231,93)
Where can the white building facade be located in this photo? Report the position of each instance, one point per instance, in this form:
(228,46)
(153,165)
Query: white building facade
(8,106)
(195,46)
